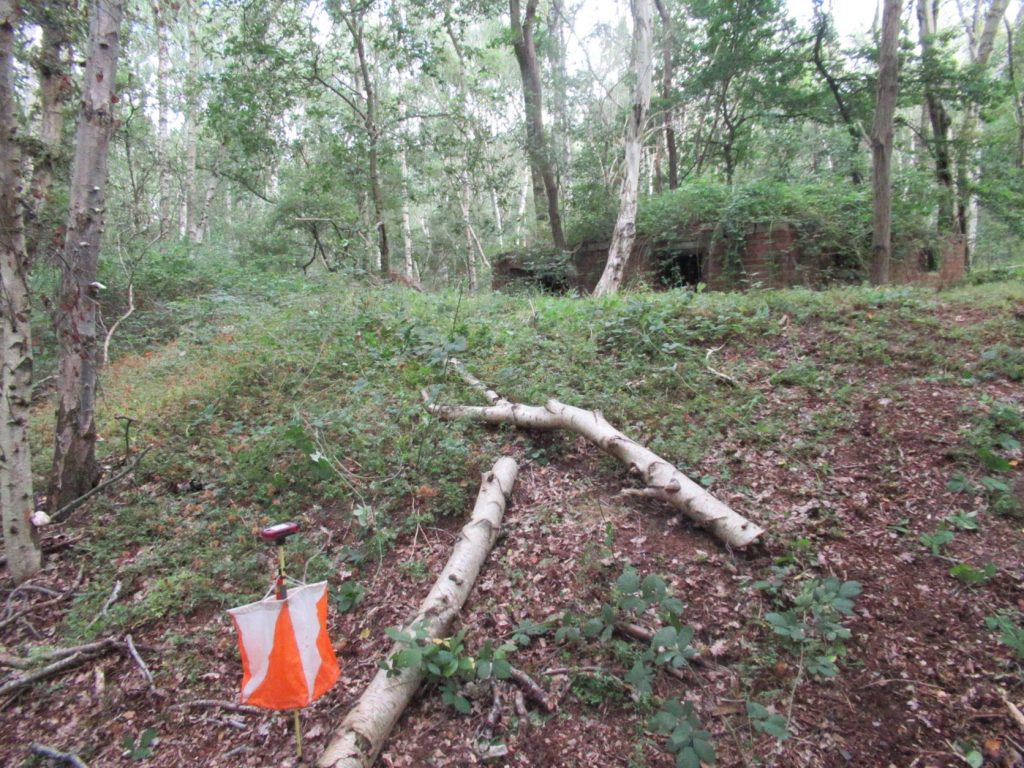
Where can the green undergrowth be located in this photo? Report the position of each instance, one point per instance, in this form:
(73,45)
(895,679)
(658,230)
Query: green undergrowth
(307,405)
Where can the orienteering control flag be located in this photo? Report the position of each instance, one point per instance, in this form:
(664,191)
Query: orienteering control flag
(287,658)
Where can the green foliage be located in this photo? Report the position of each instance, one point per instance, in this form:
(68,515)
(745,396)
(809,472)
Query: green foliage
(632,597)
(687,740)
(963,521)
(813,626)
(936,540)
(972,576)
(348,595)
(141,749)
(445,663)
(765,721)
(1011,633)
(996,430)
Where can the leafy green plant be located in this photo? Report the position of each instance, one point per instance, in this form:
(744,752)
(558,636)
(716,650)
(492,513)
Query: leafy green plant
(972,576)
(141,749)
(445,663)
(964,521)
(690,744)
(670,643)
(348,596)
(1011,633)
(764,720)
(813,627)
(936,540)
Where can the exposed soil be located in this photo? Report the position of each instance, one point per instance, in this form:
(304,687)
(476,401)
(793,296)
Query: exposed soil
(923,674)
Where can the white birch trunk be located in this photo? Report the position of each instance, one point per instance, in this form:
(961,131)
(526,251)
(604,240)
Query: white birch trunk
(162,164)
(497,218)
(17,500)
(664,481)
(188,192)
(410,266)
(468,226)
(625,224)
(521,213)
(362,733)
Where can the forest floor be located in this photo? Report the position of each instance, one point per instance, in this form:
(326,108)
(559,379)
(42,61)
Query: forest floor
(875,434)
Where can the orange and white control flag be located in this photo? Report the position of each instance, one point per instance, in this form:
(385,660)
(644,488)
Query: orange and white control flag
(287,658)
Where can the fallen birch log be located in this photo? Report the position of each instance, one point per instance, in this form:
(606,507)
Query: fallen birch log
(664,481)
(362,733)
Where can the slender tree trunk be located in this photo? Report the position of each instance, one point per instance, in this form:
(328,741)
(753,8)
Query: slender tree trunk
(537,149)
(74,459)
(410,265)
(940,123)
(667,77)
(497,218)
(1018,101)
(969,163)
(198,234)
(882,140)
(853,128)
(625,224)
(17,500)
(559,77)
(54,90)
(189,196)
(162,155)
(355,26)
(468,227)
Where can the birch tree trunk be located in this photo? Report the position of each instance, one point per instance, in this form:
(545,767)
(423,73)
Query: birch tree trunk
(54,90)
(664,481)
(625,224)
(499,227)
(982,42)
(162,157)
(409,264)
(74,458)
(17,501)
(188,188)
(468,226)
(881,142)
(362,733)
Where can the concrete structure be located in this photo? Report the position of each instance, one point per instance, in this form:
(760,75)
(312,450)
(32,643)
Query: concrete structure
(769,256)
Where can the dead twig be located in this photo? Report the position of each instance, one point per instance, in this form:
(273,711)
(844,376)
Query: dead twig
(61,757)
(62,514)
(1015,714)
(244,709)
(77,657)
(532,689)
(715,372)
(114,594)
(494,716)
(45,604)
(133,651)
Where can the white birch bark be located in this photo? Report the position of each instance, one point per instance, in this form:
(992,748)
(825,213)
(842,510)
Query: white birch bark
(17,501)
(497,218)
(664,481)
(162,164)
(362,733)
(467,225)
(625,224)
(410,266)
